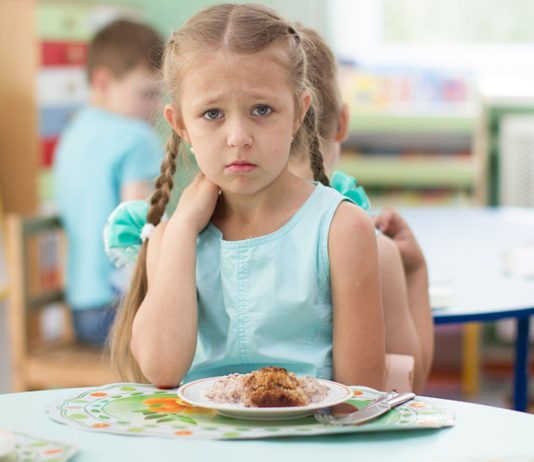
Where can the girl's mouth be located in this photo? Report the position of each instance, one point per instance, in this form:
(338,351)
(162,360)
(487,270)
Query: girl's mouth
(241,167)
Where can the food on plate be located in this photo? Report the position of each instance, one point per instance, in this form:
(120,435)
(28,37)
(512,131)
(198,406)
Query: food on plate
(273,387)
(267,387)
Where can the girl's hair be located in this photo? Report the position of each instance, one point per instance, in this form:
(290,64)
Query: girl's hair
(322,75)
(236,28)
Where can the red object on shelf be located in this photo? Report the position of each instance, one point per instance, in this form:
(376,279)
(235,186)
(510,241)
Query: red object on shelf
(48,147)
(63,53)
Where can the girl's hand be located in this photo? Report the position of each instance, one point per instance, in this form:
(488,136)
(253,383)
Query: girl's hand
(393,225)
(197,203)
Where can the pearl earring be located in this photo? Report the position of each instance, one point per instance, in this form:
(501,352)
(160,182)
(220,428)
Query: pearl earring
(191,150)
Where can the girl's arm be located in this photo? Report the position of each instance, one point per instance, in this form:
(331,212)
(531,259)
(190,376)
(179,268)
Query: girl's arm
(358,321)
(394,226)
(419,299)
(165,327)
(402,336)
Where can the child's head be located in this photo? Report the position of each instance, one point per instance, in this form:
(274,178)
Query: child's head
(333,116)
(123,62)
(222,42)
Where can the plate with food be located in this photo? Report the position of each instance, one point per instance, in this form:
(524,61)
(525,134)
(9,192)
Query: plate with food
(271,393)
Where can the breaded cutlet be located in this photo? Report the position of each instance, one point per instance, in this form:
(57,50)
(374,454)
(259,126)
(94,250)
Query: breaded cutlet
(273,387)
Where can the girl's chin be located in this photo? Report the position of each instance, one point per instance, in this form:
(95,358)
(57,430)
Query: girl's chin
(242,188)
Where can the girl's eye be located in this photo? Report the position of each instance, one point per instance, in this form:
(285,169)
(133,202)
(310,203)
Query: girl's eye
(212,114)
(262,111)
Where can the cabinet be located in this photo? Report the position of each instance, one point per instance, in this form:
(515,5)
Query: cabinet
(496,110)
(18,144)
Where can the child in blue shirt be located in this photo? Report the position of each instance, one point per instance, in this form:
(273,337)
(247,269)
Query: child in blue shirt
(107,154)
(257,265)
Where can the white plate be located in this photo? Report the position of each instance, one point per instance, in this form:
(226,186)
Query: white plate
(7,442)
(194,393)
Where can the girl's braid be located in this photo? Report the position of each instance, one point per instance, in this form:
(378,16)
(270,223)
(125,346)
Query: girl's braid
(316,157)
(164,184)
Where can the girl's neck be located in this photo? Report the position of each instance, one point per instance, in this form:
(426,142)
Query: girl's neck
(243,217)
(300,165)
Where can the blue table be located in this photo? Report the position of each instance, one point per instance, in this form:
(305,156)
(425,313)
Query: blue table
(465,246)
(481,433)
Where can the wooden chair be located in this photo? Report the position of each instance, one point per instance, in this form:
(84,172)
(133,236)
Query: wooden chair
(38,362)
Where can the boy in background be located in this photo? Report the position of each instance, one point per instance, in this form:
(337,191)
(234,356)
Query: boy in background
(108,154)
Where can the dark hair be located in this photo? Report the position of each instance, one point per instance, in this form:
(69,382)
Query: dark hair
(123,45)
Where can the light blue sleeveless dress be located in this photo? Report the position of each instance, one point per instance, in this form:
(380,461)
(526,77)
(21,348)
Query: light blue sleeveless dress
(267,300)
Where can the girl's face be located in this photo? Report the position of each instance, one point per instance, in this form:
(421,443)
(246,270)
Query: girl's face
(238,113)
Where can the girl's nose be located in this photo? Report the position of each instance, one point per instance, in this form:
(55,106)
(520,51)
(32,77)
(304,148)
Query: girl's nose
(239,136)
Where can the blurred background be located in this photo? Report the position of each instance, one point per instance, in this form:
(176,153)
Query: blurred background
(441,94)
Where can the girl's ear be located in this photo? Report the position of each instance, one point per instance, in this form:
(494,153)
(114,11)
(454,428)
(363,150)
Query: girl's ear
(304,105)
(343,124)
(176,122)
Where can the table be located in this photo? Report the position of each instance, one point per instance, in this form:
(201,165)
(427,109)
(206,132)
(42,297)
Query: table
(465,246)
(481,433)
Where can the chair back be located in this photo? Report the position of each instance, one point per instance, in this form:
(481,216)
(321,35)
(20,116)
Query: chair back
(43,352)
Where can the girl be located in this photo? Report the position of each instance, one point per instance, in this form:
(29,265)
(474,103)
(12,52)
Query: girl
(261,266)
(403,271)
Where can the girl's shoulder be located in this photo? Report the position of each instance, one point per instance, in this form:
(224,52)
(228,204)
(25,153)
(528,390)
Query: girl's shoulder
(351,224)
(351,240)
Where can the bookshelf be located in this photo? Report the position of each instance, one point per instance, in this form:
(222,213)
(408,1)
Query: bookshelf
(63,30)
(410,133)
(412,160)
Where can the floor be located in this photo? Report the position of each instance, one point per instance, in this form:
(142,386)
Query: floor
(494,391)
(496,371)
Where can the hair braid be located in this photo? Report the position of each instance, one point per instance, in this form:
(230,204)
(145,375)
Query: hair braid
(164,184)
(121,356)
(316,157)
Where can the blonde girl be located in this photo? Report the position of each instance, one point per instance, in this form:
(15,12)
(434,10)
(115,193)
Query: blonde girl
(404,279)
(256,266)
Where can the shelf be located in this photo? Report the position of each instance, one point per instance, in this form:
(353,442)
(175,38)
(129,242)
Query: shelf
(368,122)
(394,171)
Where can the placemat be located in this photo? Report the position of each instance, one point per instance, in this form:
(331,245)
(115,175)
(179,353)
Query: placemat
(137,409)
